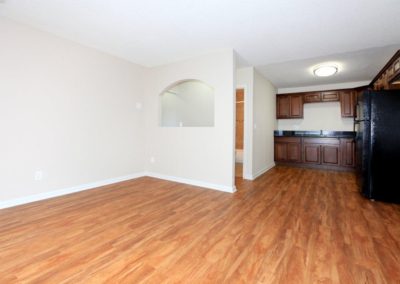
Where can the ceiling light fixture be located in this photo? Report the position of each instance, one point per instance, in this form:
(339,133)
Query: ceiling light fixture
(325,70)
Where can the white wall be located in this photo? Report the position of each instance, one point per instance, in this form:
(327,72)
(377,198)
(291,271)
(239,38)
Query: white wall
(204,154)
(66,110)
(264,120)
(71,112)
(318,116)
(260,121)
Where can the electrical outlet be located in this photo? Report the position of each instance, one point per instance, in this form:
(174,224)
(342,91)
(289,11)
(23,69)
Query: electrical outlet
(38,175)
(152,160)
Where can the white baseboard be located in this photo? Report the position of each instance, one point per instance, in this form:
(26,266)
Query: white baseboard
(248,176)
(82,187)
(260,172)
(64,191)
(219,187)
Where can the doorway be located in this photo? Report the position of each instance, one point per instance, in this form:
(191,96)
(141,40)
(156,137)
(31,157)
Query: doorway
(239,156)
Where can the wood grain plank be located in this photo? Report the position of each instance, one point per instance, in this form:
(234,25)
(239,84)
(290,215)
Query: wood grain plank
(291,225)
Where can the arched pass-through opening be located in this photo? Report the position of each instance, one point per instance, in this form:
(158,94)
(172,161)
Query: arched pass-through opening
(187,103)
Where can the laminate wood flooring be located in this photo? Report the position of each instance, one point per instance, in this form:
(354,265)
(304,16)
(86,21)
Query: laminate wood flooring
(291,225)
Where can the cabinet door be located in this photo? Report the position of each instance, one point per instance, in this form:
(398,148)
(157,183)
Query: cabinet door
(331,96)
(312,98)
(294,152)
(280,152)
(312,153)
(330,155)
(296,106)
(282,106)
(347,148)
(347,103)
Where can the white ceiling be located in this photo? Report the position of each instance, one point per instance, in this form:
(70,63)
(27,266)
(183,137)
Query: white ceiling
(156,32)
(355,66)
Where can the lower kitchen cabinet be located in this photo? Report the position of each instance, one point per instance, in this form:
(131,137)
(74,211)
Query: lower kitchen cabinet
(330,155)
(312,153)
(347,148)
(287,149)
(321,151)
(334,153)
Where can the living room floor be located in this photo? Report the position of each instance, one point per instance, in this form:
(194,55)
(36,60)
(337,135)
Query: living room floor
(290,225)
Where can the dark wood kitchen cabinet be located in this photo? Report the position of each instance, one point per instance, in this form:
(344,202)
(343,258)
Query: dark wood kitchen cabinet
(318,97)
(330,155)
(321,151)
(292,105)
(289,106)
(296,106)
(311,153)
(314,97)
(347,148)
(282,106)
(389,77)
(348,103)
(330,96)
(287,149)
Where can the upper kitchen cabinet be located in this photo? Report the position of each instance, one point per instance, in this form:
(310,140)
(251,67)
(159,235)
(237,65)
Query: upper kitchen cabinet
(314,97)
(317,97)
(347,103)
(289,106)
(296,106)
(282,106)
(330,96)
(389,77)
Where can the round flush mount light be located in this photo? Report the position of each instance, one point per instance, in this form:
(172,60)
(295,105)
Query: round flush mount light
(325,70)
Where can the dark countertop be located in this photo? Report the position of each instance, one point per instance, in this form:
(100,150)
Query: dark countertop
(317,134)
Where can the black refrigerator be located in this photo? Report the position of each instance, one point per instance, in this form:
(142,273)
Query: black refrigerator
(377,126)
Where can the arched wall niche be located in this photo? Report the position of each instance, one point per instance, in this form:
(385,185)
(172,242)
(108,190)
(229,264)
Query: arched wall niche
(187,103)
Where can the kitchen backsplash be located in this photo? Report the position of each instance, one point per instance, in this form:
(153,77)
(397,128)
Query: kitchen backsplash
(317,116)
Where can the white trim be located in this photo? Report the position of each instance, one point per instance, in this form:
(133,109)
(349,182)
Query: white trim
(248,176)
(219,187)
(87,186)
(262,171)
(65,191)
(247,127)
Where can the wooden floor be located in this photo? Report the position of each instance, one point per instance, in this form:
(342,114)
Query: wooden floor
(289,226)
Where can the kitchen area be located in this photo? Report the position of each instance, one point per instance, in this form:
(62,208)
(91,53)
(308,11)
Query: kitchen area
(353,129)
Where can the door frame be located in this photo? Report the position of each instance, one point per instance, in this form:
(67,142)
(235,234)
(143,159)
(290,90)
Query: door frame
(246,174)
